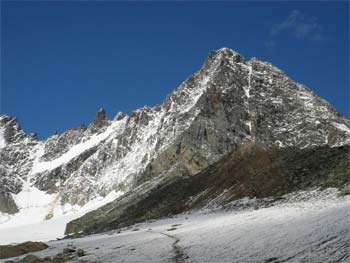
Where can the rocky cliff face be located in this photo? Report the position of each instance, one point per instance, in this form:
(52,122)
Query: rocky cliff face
(251,175)
(229,101)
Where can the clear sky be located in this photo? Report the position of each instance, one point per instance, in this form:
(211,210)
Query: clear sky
(62,61)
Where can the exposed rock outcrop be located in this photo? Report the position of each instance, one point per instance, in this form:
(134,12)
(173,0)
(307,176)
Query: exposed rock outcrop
(9,251)
(7,204)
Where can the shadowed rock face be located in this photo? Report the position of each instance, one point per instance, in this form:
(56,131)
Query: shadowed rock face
(250,171)
(230,101)
(7,204)
(100,120)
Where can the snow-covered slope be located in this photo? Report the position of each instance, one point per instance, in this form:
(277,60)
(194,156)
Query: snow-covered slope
(31,223)
(229,101)
(309,227)
(36,206)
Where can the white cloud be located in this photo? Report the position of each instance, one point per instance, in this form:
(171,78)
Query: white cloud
(298,25)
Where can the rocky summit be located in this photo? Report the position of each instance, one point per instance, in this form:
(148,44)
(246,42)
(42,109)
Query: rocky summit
(230,104)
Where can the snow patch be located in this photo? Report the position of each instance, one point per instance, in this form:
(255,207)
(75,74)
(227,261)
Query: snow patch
(2,139)
(76,150)
(306,97)
(249,124)
(279,143)
(248,88)
(35,205)
(342,127)
(31,197)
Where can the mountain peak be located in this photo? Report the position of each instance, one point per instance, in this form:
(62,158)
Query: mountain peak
(227,53)
(216,57)
(228,102)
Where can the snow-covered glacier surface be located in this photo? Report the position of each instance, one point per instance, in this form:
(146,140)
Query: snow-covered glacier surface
(312,226)
(42,217)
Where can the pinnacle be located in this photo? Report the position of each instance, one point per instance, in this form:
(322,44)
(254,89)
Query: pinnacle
(100,118)
(102,110)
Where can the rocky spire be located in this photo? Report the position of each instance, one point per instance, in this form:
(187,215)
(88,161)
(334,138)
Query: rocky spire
(100,119)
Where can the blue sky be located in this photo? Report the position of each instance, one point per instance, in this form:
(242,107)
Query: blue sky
(62,61)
